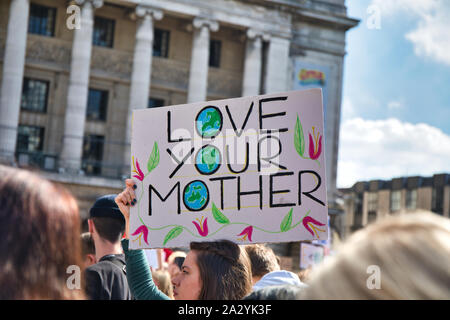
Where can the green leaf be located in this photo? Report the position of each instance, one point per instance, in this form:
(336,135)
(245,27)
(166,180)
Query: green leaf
(172,234)
(219,216)
(154,158)
(287,222)
(299,138)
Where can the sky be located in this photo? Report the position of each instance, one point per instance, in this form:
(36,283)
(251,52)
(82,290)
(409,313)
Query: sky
(395,118)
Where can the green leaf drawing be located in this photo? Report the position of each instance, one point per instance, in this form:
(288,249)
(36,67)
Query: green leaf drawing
(219,216)
(299,138)
(172,234)
(154,158)
(287,222)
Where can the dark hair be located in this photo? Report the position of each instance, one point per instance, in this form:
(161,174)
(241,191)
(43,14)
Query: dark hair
(224,270)
(179,261)
(263,260)
(40,228)
(110,229)
(87,244)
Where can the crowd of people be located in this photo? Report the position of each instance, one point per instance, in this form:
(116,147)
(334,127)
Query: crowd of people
(41,238)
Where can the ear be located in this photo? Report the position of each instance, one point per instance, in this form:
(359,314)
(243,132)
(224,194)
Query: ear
(91,226)
(91,258)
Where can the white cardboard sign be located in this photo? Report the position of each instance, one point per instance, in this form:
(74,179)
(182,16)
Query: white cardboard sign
(250,170)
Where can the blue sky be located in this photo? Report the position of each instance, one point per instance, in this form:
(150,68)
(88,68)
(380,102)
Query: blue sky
(395,117)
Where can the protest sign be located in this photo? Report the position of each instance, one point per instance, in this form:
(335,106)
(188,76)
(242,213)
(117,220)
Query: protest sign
(250,170)
(310,255)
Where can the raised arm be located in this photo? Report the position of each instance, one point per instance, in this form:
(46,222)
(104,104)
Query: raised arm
(138,271)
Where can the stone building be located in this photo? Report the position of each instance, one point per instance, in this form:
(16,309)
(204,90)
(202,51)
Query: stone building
(367,201)
(73,71)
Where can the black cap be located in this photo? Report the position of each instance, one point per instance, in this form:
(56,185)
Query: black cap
(106,207)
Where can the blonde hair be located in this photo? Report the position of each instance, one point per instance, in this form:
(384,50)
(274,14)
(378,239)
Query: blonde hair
(163,282)
(411,252)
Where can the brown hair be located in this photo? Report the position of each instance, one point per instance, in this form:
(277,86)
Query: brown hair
(40,228)
(110,229)
(262,258)
(224,270)
(87,244)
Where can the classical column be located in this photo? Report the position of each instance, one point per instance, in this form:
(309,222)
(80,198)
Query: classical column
(276,79)
(142,67)
(253,63)
(198,74)
(12,78)
(77,95)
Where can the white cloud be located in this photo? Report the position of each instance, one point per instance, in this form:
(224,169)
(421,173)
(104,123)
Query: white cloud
(431,37)
(385,149)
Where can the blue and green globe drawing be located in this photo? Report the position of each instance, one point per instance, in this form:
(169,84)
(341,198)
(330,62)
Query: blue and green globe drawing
(196,195)
(208,159)
(209,122)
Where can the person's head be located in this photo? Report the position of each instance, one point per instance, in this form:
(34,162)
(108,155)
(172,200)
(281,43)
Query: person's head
(400,257)
(175,262)
(163,282)
(88,249)
(263,260)
(217,270)
(40,228)
(280,292)
(106,222)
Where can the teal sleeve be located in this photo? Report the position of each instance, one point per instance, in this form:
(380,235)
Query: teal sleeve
(139,275)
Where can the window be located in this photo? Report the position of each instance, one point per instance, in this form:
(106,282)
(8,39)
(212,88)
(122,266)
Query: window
(97,105)
(42,20)
(358,209)
(92,154)
(103,34)
(411,199)
(30,139)
(372,202)
(34,95)
(161,43)
(437,198)
(214,53)
(396,200)
(155,102)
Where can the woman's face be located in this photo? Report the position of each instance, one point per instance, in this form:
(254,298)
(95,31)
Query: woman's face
(187,284)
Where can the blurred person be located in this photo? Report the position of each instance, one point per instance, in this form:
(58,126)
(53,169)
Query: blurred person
(304,274)
(162,280)
(175,262)
(411,252)
(214,270)
(40,228)
(88,249)
(266,268)
(106,280)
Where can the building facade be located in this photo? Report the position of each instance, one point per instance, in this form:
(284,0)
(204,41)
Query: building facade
(368,201)
(73,71)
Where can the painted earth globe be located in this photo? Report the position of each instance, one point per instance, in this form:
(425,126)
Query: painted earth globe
(196,195)
(209,122)
(208,160)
